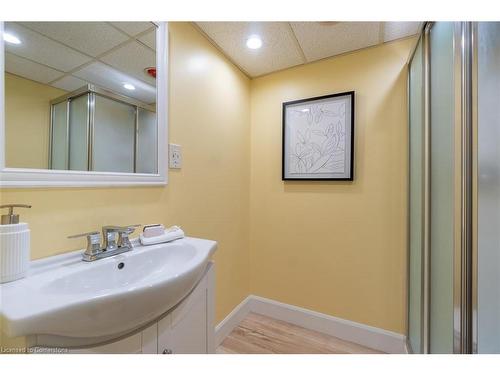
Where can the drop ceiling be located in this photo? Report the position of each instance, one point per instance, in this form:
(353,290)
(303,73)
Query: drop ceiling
(68,55)
(287,44)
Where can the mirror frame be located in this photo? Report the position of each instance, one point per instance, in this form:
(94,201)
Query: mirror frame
(34,178)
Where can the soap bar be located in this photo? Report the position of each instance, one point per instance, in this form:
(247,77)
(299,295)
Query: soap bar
(153,230)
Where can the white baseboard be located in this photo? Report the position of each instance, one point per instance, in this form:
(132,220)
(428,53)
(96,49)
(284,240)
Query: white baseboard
(372,337)
(231,321)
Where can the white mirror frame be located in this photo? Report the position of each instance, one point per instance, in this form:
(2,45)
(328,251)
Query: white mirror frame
(33,178)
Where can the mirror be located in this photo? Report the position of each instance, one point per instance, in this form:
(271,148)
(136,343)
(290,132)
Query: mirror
(81,96)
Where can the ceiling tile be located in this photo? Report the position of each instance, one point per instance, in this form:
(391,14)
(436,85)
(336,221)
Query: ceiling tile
(133,28)
(93,38)
(279,49)
(29,69)
(39,48)
(396,30)
(132,58)
(109,78)
(69,83)
(324,39)
(149,39)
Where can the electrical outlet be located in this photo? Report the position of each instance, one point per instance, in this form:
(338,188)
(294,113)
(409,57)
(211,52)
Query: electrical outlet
(174,156)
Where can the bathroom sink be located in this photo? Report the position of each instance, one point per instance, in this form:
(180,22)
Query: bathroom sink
(64,296)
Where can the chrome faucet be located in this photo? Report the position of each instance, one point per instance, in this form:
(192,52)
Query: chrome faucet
(110,246)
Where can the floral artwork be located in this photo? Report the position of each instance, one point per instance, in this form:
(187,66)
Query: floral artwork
(318,142)
(318,139)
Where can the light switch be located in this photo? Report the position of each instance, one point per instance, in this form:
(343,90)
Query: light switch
(174,156)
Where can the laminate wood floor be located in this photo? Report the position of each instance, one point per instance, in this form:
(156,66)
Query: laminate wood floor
(259,334)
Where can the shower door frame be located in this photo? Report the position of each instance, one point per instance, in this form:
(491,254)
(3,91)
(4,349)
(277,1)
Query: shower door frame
(465,191)
(475,191)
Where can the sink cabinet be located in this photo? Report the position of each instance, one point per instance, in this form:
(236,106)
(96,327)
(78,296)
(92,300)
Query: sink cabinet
(184,330)
(188,328)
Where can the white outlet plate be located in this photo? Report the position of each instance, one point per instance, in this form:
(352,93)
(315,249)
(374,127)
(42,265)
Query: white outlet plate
(174,156)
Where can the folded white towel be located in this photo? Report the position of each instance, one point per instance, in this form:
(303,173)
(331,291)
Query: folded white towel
(172,233)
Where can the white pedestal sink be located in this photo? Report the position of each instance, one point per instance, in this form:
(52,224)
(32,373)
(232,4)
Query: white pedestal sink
(93,301)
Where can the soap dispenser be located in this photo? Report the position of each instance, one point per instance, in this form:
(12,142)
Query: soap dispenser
(14,245)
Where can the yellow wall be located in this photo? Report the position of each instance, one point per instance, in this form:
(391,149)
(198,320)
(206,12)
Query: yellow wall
(335,247)
(209,197)
(27,119)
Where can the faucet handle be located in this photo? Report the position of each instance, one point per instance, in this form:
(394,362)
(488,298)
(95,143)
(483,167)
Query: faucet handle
(88,235)
(120,229)
(109,234)
(124,232)
(129,229)
(93,243)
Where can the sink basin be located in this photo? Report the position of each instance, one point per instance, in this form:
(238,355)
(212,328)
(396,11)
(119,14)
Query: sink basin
(64,296)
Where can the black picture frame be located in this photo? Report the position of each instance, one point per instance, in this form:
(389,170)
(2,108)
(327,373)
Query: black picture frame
(350,125)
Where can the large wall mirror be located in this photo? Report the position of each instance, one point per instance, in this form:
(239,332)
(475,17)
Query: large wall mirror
(84,103)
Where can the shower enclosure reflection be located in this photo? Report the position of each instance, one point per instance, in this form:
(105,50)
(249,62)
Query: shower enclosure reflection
(97,130)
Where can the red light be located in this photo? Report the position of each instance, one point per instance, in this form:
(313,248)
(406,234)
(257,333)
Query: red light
(150,72)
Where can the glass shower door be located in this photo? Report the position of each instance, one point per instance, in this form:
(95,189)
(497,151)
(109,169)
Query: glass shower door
(454,236)
(147,144)
(78,133)
(488,242)
(442,185)
(114,136)
(432,182)
(59,137)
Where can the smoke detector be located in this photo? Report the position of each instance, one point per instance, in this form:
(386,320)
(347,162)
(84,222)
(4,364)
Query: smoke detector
(151,71)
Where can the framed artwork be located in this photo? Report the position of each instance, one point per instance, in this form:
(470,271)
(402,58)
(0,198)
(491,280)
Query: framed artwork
(318,138)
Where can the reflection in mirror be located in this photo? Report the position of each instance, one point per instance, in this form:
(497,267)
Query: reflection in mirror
(81,96)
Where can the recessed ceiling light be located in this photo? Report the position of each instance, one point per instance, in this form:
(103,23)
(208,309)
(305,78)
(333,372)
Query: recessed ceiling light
(9,38)
(254,42)
(128,86)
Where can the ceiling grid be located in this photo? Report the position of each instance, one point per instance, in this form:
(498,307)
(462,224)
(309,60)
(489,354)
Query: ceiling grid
(68,55)
(288,44)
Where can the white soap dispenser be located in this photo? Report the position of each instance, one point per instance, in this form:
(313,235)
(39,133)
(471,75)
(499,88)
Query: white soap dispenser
(14,245)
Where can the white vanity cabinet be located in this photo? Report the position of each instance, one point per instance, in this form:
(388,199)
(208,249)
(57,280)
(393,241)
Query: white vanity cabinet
(189,328)
(186,329)
(129,345)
